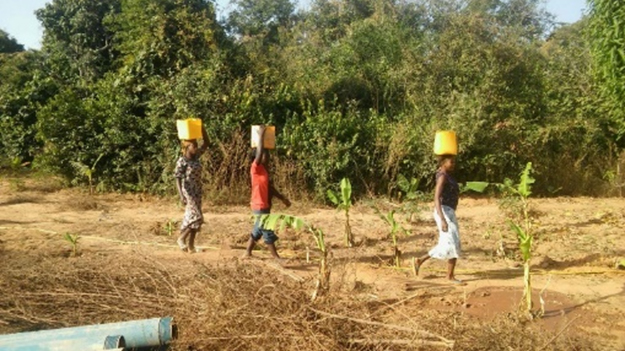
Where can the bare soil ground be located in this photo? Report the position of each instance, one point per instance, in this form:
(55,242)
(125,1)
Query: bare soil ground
(129,267)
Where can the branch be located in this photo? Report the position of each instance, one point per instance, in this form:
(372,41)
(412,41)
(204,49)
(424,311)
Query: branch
(449,343)
(560,333)
(400,342)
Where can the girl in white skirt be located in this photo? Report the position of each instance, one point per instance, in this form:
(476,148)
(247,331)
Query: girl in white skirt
(445,204)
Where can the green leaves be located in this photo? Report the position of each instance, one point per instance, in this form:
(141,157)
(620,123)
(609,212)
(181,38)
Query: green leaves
(478,187)
(525,240)
(346,192)
(283,221)
(408,189)
(8,44)
(342,201)
(333,198)
(525,184)
(607,32)
(72,239)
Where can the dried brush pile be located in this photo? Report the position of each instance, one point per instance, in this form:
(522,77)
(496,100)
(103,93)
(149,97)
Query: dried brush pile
(236,306)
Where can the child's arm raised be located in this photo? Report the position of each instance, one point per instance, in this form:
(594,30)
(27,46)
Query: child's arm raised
(260,147)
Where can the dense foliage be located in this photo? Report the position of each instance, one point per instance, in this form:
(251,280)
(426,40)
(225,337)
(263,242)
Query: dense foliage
(357,89)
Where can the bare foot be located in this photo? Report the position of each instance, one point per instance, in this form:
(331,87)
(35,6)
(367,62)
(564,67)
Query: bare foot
(417,266)
(453,280)
(182,245)
(246,256)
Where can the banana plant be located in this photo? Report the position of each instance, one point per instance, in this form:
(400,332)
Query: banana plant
(408,189)
(170,227)
(523,190)
(72,239)
(523,231)
(395,227)
(86,171)
(343,202)
(410,197)
(283,221)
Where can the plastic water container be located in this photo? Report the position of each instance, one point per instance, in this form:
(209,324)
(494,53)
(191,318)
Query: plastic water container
(269,141)
(445,143)
(190,128)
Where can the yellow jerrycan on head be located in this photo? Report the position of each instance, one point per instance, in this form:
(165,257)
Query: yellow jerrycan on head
(190,128)
(269,139)
(445,143)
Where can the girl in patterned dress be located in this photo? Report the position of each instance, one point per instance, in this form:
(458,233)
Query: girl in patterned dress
(188,175)
(445,203)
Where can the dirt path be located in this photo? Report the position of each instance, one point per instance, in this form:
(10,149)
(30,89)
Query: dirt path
(579,240)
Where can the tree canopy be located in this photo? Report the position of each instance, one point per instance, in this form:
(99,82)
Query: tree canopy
(357,89)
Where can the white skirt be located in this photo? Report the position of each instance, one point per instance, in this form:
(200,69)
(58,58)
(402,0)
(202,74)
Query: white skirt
(448,246)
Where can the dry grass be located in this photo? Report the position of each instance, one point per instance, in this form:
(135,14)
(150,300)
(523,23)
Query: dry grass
(227,173)
(236,306)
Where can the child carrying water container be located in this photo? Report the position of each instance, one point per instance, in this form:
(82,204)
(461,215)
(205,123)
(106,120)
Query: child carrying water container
(445,203)
(188,175)
(262,193)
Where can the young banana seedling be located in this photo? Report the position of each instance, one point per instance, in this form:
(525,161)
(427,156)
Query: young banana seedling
(343,201)
(395,227)
(281,222)
(521,227)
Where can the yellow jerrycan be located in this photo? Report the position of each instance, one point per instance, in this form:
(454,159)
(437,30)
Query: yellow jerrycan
(445,143)
(190,128)
(269,140)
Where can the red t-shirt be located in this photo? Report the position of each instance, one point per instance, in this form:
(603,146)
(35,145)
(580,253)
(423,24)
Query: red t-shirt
(260,187)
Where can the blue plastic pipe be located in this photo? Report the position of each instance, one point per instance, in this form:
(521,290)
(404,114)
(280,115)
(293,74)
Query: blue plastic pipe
(134,334)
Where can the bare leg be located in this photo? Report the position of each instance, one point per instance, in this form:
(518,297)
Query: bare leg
(272,249)
(451,265)
(182,239)
(250,246)
(192,235)
(419,261)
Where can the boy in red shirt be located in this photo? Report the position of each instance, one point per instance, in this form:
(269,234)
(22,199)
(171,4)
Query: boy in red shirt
(262,192)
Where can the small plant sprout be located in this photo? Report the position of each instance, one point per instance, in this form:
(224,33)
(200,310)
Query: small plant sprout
(395,227)
(170,227)
(86,171)
(343,201)
(72,239)
(410,196)
(281,222)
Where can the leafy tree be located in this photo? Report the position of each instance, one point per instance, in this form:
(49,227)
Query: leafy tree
(8,44)
(22,92)
(77,42)
(607,33)
(254,17)
(160,38)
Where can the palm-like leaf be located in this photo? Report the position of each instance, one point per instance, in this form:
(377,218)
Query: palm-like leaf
(526,181)
(333,198)
(346,192)
(478,187)
(525,240)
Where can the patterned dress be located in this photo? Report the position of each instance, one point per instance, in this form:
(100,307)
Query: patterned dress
(448,246)
(190,171)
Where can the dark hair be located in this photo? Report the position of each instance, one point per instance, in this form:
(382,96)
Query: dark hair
(443,158)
